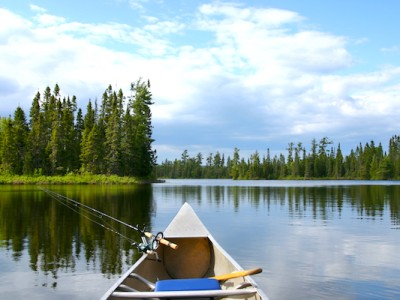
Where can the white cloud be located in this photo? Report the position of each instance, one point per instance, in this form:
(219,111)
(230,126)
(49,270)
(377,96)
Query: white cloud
(257,76)
(268,43)
(137,4)
(11,24)
(37,9)
(49,20)
(164,27)
(270,17)
(393,49)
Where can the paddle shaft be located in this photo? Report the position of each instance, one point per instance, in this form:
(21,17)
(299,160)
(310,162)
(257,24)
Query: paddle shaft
(237,274)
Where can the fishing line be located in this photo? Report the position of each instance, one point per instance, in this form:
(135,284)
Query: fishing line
(149,242)
(93,212)
(59,198)
(108,226)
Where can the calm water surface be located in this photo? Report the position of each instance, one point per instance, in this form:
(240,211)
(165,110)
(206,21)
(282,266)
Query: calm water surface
(313,239)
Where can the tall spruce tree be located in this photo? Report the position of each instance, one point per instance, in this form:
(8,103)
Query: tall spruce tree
(90,152)
(70,146)
(113,134)
(393,162)
(127,142)
(338,163)
(144,157)
(79,128)
(36,156)
(234,173)
(54,145)
(21,131)
(8,147)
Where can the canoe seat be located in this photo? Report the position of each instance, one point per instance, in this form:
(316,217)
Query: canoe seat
(191,284)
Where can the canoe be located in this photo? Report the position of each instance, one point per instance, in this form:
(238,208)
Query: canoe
(198,267)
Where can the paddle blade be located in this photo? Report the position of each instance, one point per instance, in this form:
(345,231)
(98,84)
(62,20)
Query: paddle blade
(237,274)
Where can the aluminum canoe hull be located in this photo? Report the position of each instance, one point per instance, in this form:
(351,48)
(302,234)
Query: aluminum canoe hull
(198,256)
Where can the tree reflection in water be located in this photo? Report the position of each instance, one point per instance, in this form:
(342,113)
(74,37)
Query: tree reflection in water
(57,239)
(56,236)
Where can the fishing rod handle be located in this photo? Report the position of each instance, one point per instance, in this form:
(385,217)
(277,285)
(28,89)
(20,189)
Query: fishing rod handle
(163,241)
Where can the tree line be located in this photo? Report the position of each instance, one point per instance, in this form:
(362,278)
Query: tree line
(113,139)
(321,161)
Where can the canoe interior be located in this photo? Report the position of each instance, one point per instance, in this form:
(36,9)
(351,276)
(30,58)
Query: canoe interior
(195,258)
(198,256)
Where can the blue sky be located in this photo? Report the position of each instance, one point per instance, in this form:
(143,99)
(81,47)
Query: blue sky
(246,74)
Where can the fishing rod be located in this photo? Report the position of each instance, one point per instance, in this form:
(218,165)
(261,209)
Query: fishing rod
(149,243)
(108,227)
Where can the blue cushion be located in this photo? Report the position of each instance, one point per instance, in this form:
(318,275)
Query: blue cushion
(192,284)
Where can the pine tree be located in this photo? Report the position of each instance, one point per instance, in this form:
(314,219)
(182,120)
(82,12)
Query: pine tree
(185,164)
(90,141)
(8,147)
(255,166)
(338,163)
(234,173)
(144,156)
(321,166)
(21,131)
(127,142)
(113,134)
(394,157)
(79,128)
(311,163)
(198,163)
(36,156)
(54,146)
(70,144)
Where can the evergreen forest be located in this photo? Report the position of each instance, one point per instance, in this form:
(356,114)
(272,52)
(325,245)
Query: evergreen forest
(322,161)
(57,139)
(115,138)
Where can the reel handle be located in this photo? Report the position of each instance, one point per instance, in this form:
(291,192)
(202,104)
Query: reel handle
(163,241)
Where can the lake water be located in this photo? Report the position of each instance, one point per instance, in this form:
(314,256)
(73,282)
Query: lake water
(313,239)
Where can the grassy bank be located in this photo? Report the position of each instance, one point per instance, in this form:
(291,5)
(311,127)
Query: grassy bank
(71,179)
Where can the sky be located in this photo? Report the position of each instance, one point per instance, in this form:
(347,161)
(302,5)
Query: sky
(252,75)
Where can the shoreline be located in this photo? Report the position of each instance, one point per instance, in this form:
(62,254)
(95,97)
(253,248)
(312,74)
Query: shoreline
(85,179)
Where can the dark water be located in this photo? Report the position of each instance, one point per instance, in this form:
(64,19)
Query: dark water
(313,239)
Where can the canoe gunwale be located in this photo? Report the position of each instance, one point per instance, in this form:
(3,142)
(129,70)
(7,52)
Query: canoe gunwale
(186,294)
(120,280)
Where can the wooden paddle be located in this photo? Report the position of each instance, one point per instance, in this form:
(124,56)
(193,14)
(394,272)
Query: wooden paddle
(237,274)
(163,241)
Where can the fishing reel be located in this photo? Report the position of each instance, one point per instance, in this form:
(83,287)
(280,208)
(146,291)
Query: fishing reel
(149,244)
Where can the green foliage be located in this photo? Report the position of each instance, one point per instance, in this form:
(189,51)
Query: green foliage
(321,162)
(59,140)
(143,158)
(86,178)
